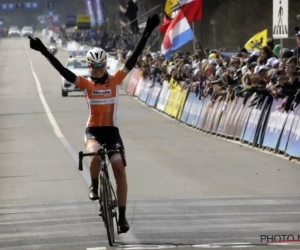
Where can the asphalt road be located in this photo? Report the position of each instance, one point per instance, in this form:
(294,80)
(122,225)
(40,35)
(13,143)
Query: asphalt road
(186,189)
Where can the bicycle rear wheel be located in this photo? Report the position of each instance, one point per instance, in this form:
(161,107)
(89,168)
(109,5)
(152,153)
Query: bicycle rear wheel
(107,208)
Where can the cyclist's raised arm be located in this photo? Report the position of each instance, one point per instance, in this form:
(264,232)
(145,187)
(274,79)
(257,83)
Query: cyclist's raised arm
(37,44)
(152,23)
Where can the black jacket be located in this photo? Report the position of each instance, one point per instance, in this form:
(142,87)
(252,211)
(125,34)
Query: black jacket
(131,10)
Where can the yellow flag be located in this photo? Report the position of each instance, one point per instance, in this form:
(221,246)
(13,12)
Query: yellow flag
(258,41)
(169,5)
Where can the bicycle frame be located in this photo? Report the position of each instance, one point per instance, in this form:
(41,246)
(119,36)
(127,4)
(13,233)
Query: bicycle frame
(104,169)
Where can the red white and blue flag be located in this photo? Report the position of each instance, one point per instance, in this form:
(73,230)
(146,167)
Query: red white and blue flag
(178,33)
(192,9)
(166,22)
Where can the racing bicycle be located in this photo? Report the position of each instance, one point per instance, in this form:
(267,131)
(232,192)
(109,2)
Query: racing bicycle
(108,199)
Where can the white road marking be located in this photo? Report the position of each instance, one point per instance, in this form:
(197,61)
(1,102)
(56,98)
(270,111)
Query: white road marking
(206,246)
(146,247)
(85,173)
(241,246)
(236,243)
(96,248)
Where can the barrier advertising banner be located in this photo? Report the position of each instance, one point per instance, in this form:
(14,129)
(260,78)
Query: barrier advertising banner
(183,95)
(133,81)
(287,130)
(212,117)
(206,115)
(222,118)
(233,124)
(199,110)
(243,122)
(253,123)
(187,107)
(262,123)
(163,97)
(293,146)
(171,100)
(218,117)
(231,112)
(153,95)
(145,90)
(275,125)
(203,112)
(126,81)
(196,104)
(139,87)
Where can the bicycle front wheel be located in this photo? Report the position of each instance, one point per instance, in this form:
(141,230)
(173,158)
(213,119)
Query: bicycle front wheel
(107,208)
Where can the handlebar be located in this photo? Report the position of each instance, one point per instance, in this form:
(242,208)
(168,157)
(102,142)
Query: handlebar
(101,152)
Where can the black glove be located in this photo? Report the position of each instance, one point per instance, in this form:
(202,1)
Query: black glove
(37,44)
(152,23)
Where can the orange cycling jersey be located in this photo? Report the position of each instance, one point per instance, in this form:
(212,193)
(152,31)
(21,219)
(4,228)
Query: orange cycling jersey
(102,99)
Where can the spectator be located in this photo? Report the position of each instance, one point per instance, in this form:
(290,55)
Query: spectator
(104,38)
(131,14)
(265,54)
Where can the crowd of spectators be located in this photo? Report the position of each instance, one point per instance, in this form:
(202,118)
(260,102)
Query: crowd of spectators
(270,72)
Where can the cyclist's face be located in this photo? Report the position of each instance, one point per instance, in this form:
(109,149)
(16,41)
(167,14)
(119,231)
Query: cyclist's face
(97,70)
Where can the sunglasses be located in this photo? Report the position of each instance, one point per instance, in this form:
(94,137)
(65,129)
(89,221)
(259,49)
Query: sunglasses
(98,65)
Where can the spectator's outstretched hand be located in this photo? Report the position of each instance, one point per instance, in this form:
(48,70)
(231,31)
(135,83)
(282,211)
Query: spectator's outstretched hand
(37,44)
(152,22)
